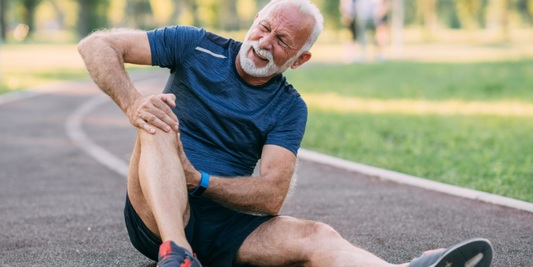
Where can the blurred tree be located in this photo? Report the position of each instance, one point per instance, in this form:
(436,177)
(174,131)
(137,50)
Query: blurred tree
(92,15)
(29,14)
(228,19)
(525,8)
(427,10)
(209,13)
(530,7)
(331,13)
(260,4)
(193,7)
(503,7)
(447,14)
(178,4)
(59,12)
(162,11)
(246,10)
(3,26)
(140,14)
(117,13)
(411,13)
(469,11)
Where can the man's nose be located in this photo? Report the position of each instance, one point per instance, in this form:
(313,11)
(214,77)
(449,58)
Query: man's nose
(266,41)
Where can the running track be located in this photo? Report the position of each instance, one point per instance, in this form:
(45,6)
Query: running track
(61,207)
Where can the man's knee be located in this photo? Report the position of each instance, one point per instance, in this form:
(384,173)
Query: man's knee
(322,232)
(319,238)
(159,137)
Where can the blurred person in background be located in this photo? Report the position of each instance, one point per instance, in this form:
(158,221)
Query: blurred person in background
(347,9)
(372,15)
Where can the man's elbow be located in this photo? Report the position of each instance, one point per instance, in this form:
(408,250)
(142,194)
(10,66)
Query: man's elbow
(85,44)
(92,42)
(274,207)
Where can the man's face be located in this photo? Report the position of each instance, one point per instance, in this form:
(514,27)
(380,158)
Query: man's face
(272,44)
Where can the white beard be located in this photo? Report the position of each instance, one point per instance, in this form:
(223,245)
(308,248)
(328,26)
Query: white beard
(248,65)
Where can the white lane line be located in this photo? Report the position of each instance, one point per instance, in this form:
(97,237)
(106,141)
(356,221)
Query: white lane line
(414,181)
(73,127)
(74,130)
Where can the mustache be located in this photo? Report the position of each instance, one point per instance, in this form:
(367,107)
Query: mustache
(262,52)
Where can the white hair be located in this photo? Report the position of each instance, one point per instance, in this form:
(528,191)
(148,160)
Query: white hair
(306,8)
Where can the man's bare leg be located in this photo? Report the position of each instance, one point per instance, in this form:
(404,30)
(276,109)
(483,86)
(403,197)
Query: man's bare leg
(287,241)
(157,188)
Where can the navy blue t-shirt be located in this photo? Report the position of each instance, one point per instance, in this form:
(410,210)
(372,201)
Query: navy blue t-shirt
(224,121)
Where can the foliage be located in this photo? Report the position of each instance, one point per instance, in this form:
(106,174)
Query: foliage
(92,16)
(230,15)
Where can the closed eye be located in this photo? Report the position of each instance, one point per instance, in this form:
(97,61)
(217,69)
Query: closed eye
(281,40)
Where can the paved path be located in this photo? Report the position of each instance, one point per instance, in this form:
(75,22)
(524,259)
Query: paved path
(60,207)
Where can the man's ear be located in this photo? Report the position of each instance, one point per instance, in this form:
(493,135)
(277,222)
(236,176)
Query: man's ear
(304,57)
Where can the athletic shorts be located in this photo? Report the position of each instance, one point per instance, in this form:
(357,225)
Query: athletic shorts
(214,232)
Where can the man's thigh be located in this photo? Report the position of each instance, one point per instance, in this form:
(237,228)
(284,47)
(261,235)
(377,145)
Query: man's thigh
(281,241)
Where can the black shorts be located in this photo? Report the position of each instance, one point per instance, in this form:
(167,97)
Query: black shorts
(214,232)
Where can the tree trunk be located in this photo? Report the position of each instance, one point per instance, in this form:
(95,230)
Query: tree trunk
(29,18)
(228,19)
(92,15)
(83,18)
(262,3)
(177,11)
(504,19)
(429,16)
(3,25)
(60,15)
(193,6)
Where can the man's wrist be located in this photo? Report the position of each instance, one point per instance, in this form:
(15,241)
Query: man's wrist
(196,179)
(204,183)
(128,104)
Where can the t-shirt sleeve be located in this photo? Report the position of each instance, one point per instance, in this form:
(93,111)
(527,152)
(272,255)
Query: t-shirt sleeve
(289,131)
(170,45)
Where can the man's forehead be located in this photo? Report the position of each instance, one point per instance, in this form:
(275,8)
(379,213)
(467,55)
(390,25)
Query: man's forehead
(289,19)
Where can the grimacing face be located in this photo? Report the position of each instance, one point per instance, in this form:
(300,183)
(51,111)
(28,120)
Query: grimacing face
(273,43)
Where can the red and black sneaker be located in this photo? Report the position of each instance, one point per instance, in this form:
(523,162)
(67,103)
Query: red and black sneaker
(172,255)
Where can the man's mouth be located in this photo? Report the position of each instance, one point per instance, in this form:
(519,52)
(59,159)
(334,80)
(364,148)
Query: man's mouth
(259,56)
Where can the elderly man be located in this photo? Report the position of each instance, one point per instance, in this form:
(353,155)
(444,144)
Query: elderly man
(189,184)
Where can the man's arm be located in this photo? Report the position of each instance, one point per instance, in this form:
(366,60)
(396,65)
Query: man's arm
(264,194)
(105,53)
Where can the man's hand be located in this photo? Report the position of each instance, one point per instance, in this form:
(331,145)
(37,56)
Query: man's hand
(152,111)
(192,176)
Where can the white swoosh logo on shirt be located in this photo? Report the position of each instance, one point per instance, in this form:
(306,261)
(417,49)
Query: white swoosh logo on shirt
(209,52)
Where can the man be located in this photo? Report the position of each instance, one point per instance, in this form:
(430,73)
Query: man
(190,190)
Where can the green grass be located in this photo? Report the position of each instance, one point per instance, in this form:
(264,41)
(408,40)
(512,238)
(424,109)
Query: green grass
(488,153)
(430,81)
(491,154)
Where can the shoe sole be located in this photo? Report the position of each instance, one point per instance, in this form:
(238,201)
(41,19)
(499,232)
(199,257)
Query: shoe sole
(472,253)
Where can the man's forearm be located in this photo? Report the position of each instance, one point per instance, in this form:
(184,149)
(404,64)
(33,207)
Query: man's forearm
(249,194)
(105,65)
